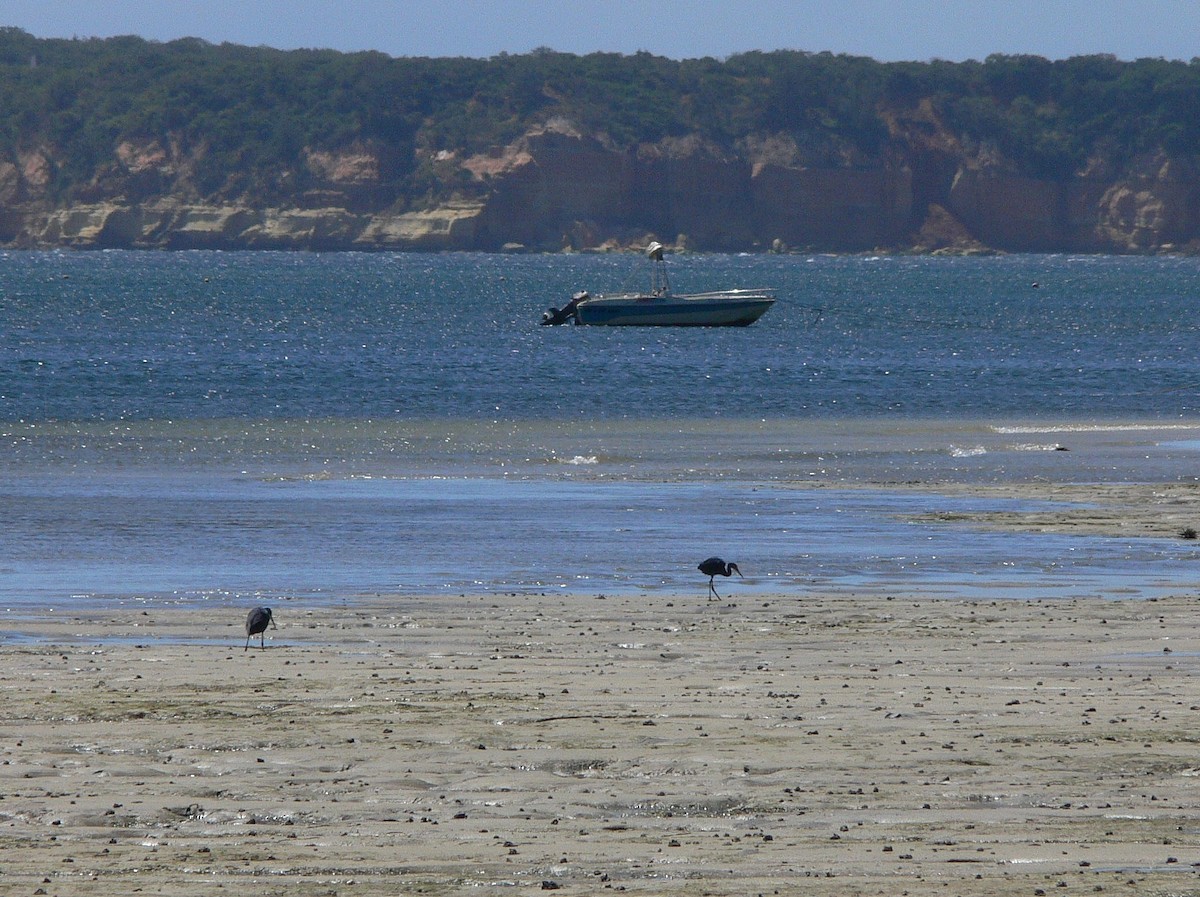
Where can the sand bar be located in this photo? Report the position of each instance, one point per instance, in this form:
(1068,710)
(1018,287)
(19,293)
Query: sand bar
(1152,510)
(668,745)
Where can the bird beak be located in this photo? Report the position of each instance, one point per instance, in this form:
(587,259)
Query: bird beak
(736,570)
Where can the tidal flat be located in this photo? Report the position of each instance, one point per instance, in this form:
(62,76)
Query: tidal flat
(823,745)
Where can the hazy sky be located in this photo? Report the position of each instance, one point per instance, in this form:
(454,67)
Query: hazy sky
(884,29)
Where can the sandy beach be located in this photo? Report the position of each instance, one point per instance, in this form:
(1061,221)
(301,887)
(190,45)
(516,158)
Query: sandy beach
(669,745)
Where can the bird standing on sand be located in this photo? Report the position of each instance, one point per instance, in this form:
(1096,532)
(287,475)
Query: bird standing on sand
(256,624)
(713,567)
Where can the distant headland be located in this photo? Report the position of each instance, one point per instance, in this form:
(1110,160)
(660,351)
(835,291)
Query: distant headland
(127,143)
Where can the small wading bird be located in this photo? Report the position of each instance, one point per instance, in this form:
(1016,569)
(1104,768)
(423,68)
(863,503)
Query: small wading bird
(713,567)
(256,624)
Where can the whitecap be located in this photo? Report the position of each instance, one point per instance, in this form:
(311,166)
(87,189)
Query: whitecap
(579,459)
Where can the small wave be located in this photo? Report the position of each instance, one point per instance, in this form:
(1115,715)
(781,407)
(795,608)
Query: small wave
(1036,447)
(968,452)
(579,460)
(1022,429)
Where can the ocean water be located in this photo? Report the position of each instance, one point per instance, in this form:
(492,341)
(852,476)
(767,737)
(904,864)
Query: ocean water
(236,427)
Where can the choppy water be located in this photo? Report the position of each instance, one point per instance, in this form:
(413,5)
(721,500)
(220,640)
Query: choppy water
(221,426)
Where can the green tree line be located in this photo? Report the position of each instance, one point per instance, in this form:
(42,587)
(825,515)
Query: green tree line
(254,110)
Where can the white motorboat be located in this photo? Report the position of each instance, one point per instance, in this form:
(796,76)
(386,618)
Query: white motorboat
(659,307)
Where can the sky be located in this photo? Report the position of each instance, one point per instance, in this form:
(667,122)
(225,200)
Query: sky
(886,30)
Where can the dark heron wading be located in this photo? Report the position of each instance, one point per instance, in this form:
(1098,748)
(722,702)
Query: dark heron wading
(256,624)
(713,567)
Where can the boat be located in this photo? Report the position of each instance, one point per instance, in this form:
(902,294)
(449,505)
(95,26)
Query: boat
(659,307)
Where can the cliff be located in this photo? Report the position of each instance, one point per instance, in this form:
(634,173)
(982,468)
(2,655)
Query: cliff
(557,188)
(123,142)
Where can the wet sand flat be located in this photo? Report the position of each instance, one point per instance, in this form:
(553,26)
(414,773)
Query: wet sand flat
(659,744)
(1154,510)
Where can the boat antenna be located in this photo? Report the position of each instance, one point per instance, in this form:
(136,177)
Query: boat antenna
(660,285)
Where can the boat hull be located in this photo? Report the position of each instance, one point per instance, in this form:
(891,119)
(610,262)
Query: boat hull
(732,308)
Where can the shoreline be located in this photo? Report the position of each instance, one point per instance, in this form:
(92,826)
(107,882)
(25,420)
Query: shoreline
(824,745)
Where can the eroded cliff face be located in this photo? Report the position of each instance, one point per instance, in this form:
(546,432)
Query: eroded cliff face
(147,198)
(167,224)
(1157,206)
(556,188)
(842,209)
(552,189)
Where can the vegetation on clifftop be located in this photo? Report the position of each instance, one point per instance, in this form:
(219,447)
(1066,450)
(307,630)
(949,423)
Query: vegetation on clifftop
(248,116)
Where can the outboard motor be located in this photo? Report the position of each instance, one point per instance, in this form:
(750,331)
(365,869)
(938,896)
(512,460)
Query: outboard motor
(566,313)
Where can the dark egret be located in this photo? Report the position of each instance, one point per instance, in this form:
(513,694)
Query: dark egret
(256,624)
(713,567)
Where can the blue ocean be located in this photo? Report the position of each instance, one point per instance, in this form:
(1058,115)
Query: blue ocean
(226,427)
